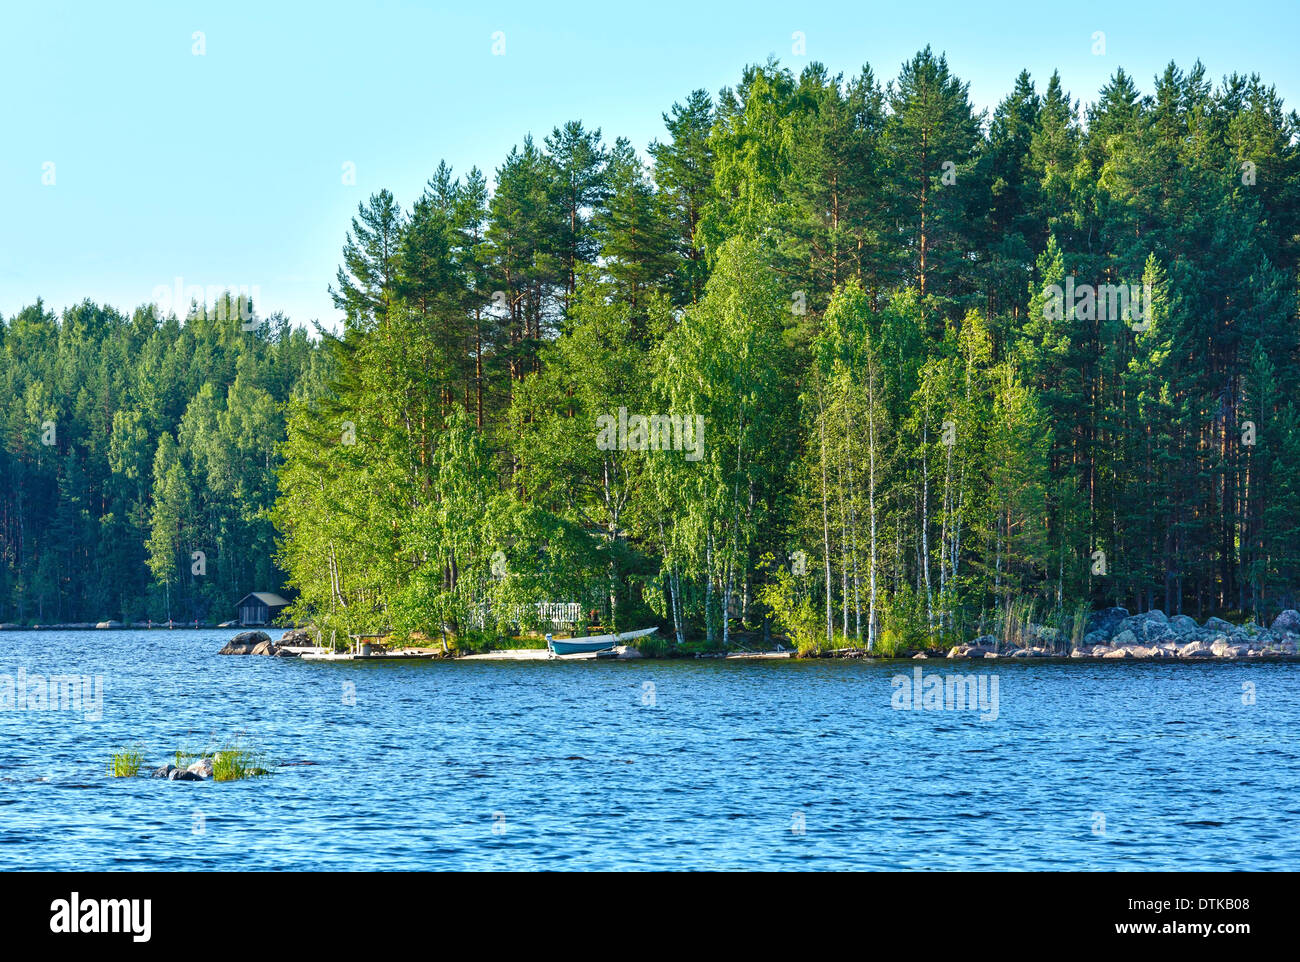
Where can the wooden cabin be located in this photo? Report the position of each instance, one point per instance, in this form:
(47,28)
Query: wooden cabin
(260,608)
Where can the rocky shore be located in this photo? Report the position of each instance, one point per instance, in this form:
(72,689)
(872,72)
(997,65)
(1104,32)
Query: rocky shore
(1152,635)
(259,643)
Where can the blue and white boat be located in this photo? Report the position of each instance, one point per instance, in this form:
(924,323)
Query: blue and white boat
(577,646)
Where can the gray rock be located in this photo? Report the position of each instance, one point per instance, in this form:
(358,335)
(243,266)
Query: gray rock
(1195,649)
(1219,625)
(1183,625)
(1106,621)
(1118,653)
(1287,622)
(1095,638)
(251,643)
(164,772)
(1228,649)
(1125,637)
(182,775)
(1155,633)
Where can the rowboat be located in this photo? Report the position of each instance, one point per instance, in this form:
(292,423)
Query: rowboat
(576,646)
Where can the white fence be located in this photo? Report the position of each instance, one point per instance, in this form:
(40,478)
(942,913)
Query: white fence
(548,612)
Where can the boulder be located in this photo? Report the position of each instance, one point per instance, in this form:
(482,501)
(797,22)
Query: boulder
(1125,638)
(1218,625)
(1155,633)
(249,643)
(1228,649)
(1096,638)
(164,772)
(1081,653)
(1195,649)
(109,624)
(1260,639)
(1288,622)
(1183,625)
(202,768)
(627,651)
(1107,621)
(183,775)
(1118,653)
(298,637)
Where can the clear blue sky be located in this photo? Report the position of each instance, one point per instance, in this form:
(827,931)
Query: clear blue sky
(226,168)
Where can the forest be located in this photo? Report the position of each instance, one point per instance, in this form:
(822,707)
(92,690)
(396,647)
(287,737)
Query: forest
(139,460)
(841,357)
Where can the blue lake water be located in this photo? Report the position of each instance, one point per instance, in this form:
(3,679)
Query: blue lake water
(735,765)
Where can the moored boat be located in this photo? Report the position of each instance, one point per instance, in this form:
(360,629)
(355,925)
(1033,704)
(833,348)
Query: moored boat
(577,646)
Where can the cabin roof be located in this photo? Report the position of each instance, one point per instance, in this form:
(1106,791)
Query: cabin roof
(268,598)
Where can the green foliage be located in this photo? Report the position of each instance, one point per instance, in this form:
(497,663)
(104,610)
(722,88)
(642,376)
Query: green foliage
(857,285)
(792,609)
(126,763)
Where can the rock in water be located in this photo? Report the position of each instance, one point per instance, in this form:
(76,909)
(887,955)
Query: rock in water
(165,771)
(202,768)
(245,643)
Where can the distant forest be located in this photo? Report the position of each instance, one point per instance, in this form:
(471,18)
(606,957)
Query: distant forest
(131,442)
(947,366)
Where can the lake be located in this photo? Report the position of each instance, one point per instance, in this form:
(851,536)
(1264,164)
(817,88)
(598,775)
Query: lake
(647,765)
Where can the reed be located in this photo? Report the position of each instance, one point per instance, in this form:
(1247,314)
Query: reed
(126,763)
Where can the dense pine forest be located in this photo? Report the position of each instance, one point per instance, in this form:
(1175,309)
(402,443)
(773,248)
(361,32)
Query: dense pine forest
(138,460)
(842,357)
